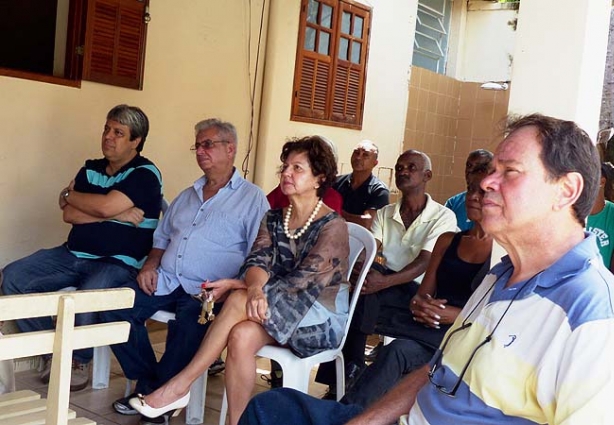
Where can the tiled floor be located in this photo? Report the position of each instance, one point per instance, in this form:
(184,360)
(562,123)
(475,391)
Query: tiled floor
(96,404)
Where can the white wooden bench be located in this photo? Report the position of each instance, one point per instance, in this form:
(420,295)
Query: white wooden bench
(27,407)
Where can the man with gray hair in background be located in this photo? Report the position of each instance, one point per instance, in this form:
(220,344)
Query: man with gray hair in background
(113,205)
(405,233)
(205,235)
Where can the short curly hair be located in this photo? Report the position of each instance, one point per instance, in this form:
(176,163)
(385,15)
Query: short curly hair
(321,158)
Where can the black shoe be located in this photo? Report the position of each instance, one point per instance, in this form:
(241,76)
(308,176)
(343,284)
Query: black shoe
(153,421)
(275,379)
(217,367)
(372,355)
(122,406)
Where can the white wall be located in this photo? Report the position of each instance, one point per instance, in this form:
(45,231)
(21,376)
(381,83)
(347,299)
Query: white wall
(391,46)
(488,44)
(560,58)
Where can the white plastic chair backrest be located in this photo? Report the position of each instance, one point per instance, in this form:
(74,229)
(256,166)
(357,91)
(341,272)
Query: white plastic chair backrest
(360,240)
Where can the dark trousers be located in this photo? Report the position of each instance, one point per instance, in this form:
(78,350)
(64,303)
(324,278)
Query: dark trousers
(137,357)
(284,406)
(374,313)
(394,360)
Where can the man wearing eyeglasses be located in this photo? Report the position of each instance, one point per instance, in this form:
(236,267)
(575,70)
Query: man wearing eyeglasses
(535,343)
(205,235)
(113,205)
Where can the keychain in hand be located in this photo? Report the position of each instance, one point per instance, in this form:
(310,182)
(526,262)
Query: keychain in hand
(206,297)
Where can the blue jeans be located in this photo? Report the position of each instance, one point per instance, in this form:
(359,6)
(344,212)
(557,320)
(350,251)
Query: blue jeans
(50,270)
(137,357)
(283,406)
(394,360)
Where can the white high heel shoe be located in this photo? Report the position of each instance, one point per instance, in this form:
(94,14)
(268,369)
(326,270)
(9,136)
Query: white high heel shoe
(139,404)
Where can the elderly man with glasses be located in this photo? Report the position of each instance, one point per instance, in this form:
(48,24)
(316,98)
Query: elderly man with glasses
(205,235)
(535,342)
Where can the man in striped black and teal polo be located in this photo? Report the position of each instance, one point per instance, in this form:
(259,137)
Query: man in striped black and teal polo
(113,205)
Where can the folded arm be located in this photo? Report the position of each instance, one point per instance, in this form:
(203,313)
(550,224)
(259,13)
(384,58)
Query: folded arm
(100,206)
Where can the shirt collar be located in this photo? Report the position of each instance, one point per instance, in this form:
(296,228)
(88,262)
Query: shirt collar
(233,183)
(571,263)
(425,216)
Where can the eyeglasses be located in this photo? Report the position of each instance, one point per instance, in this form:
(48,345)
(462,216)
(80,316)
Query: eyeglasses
(206,144)
(437,360)
(439,355)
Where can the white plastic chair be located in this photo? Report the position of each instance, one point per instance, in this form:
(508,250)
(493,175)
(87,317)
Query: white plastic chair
(296,370)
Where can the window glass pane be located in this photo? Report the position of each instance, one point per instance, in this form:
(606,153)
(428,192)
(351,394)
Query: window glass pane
(343,48)
(327,16)
(310,39)
(356,46)
(357,32)
(345,22)
(431,38)
(324,43)
(312,11)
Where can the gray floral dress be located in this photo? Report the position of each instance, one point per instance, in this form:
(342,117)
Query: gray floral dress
(307,290)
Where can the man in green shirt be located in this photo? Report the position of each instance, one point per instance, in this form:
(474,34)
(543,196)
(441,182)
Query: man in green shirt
(601,220)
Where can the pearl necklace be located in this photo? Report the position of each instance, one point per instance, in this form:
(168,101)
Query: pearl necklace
(303,229)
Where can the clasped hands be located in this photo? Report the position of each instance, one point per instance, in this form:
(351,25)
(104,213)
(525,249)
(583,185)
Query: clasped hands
(432,312)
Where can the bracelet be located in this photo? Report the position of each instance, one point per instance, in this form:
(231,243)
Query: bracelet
(380,259)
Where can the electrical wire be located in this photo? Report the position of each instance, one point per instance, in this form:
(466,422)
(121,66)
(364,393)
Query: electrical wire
(250,144)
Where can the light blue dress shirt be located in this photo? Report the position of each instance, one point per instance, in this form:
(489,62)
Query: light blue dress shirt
(208,240)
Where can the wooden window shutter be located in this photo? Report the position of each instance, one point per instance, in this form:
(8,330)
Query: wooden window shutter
(329,81)
(349,77)
(313,71)
(115,42)
(312,92)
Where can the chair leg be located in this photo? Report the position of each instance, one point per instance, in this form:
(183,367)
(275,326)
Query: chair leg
(102,367)
(340,372)
(224,408)
(128,389)
(195,412)
(296,377)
